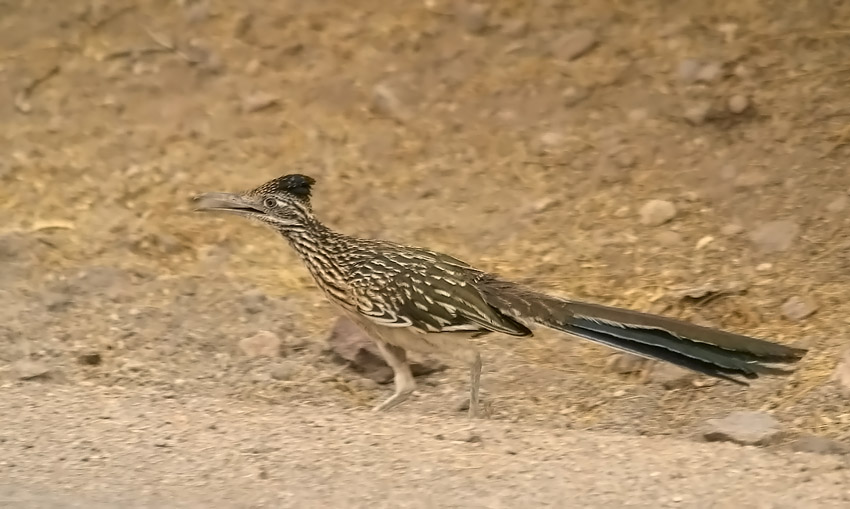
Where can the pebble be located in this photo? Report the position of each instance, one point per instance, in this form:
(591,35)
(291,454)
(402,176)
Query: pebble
(26,369)
(775,236)
(744,427)
(709,72)
(738,104)
(688,69)
(841,376)
(819,445)
(797,308)
(385,101)
(284,371)
(474,18)
(261,344)
(668,238)
(657,212)
(671,377)
(259,101)
(575,44)
(697,113)
(731,229)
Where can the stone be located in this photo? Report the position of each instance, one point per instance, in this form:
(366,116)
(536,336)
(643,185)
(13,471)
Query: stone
(657,212)
(575,44)
(797,308)
(687,70)
(671,377)
(841,376)
(261,344)
(259,101)
(738,104)
(474,18)
(709,72)
(775,236)
(27,369)
(731,229)
(668,238)
(819,445)
(697,113)
(624,363)
(385,101)
(284,371)
(744,427)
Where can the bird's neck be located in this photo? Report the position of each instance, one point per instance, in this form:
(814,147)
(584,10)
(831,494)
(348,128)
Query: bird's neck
(322,250)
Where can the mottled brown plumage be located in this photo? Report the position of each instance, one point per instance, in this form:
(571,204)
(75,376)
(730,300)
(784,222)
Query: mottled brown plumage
(410,298)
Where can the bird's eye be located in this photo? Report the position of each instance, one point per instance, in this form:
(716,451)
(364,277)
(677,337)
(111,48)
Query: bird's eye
(270,203)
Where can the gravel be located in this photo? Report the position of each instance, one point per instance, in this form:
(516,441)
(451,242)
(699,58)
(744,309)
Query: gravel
(95,447)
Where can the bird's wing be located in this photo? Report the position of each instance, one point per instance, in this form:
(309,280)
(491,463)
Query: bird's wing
(416,289)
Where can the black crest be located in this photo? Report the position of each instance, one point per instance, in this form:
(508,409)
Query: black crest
(297,185)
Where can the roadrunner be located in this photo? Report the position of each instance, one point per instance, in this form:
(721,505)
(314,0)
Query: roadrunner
(407,298)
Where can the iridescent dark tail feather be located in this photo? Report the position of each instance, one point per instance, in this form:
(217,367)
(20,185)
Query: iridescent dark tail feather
(702,349)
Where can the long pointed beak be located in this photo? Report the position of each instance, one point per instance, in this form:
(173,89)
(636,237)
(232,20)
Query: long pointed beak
(225,202)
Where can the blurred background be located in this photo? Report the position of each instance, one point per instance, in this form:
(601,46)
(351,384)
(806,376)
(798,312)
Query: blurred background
(684,158)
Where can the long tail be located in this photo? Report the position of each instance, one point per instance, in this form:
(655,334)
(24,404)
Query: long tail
(710,351)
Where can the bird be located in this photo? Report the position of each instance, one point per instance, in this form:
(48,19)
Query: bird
(413,299)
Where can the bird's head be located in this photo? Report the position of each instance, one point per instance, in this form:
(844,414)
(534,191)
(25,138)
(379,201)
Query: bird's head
(282,203)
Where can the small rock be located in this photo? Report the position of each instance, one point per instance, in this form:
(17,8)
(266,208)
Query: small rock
(688,70)
(704,241)
(775,236)
(90,359)
(574,95)
(671,377)
(545,204)
(745,428)
(625,159)
(657,212)
(242,25)
(738,104)
(259,101)
(709,72)
(515,28)
(764,267)
(26,369)
(261,344)
(797,308)
(819,445)
(697,113)
(254,301)
(838,204)
(668,238)
(623,363)
(575,44)
(474,18)
(551,140)
(387,103)
(133,366)
(731,229)
(284,371)
(841,376)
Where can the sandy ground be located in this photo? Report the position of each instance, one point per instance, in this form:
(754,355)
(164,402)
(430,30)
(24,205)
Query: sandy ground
(111,449)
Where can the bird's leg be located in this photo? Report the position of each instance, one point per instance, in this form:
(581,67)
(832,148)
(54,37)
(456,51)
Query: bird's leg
(396,357)
(474,383)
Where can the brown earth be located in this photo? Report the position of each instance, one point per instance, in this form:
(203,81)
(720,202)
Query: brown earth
(496,134)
